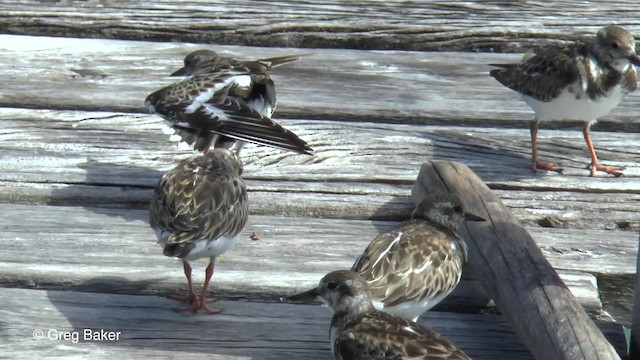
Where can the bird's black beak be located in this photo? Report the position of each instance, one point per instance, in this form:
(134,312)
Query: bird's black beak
(634,59)
(179,72)
(473,217)
(304,296)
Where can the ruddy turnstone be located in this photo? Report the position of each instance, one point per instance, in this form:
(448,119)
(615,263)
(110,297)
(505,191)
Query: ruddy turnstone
(227,97)
(359,331)
(414,266)
(582,81)
(197,210)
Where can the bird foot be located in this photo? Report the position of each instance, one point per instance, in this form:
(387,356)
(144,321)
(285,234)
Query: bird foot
(538,165)
(190,299)
(611,170)
(199,306)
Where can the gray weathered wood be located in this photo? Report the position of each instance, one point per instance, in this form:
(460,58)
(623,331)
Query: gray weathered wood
(244,330)
(550,209)
(115,159)
(312,247)
(634,347)
(380,86)
(525,287)
(395,24)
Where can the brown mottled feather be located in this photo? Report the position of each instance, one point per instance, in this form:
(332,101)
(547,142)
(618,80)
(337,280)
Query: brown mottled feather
(422,245)
(204,197)
(360,332)
(378,335)
(545,72)
(414,266)
(226,97)
(202,61)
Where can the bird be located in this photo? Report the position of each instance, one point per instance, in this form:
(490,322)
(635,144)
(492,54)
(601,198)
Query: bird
(197,210)
(360,332)
(414,266)
(225,96)
(583,81)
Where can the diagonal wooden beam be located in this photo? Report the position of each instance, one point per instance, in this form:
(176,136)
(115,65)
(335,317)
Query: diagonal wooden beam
(526,289)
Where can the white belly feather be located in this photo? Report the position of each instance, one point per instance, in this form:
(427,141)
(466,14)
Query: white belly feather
(568,107)
(203,248)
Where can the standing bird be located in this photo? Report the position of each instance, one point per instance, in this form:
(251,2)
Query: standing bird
(581,81)
(414,266)
(227,97)
(360,332)
(197,210)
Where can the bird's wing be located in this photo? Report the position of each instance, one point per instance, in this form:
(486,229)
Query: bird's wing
(201,198)
(543,73)
(234,118)
(226,104)
(387,337)
(411,262)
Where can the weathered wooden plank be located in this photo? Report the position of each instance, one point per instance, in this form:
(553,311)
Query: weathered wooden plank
(381,86)
(501,156)
(245,330)
(549,209)
(634,346)
(540,308)
(433,25)
(115,159)
(119,255)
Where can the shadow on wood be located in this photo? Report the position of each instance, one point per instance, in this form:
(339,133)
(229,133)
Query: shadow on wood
(506,260)
(245,330)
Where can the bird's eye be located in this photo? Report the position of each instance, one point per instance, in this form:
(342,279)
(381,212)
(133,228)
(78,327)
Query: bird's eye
(614,45)
(331,285)
(457,209)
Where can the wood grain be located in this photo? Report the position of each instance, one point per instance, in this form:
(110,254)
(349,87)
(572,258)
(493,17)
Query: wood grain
(74,133)
(115,159)
(114,250)
(395,24)
(245,330)
(634,343)
(526,289)
(439,88)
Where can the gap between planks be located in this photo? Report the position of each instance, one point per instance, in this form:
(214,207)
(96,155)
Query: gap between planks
(416,87)
(113,250)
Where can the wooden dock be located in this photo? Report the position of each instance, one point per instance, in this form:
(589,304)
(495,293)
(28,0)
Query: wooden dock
(400,85)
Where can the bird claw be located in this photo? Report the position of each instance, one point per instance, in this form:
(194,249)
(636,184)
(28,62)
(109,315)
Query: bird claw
(194,308)
(538,165)
(611,170)
(190,299)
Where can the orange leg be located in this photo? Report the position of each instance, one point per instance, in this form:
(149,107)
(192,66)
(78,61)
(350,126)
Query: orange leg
(595,165)
(191,297)
(203,297)
(535,164)
(201,303)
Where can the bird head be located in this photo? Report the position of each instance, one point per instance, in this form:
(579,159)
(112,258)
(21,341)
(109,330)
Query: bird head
(616,46)
(342,290)
(445,209)
(196,61)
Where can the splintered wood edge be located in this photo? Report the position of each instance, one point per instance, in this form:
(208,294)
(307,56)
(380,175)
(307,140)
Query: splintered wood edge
(515,273)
